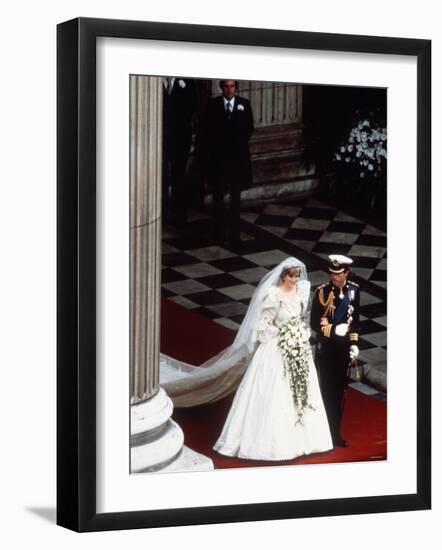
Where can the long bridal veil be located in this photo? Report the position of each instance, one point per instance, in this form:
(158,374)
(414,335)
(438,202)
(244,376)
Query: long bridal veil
(190,385)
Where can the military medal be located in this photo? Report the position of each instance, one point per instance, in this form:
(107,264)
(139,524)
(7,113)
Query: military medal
(350,310)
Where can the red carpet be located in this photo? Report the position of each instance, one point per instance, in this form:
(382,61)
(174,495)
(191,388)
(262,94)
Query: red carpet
(191,337)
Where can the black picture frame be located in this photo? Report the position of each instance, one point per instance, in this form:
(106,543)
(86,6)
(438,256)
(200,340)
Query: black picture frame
(76,274)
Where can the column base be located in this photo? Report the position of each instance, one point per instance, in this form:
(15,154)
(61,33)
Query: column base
(156,449)
(157,441)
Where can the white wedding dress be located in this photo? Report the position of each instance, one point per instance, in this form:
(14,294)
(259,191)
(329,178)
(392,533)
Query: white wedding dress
(262,423)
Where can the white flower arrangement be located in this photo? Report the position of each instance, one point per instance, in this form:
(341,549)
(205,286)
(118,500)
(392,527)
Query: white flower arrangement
(366,149)
(293,341)
(240,107)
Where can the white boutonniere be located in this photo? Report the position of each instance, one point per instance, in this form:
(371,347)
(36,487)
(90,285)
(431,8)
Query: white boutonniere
(240,107)
(181,83)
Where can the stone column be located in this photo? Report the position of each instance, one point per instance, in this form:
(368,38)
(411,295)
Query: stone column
(156,440)
(145,228)
(273,103)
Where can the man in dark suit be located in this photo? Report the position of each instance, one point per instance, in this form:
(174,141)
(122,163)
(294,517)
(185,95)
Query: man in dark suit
(229,127)
(335,318)
(179,103)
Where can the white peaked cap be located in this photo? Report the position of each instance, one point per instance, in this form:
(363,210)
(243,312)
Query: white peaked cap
(340,259)
(338,263)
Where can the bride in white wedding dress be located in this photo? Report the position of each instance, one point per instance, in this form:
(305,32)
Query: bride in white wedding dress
(277,412)
(269,419)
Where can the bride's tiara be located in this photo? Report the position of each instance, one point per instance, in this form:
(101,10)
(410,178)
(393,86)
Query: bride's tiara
(289,267)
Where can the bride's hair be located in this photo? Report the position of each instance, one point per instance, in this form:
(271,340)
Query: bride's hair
(290,270)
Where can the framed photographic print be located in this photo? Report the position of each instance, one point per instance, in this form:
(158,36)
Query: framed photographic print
(240,335)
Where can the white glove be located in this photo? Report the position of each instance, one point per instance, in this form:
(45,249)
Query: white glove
(354,351)
(341,330)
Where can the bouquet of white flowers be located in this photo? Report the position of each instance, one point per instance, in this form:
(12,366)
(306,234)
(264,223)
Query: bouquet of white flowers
(365,149)
(293,342)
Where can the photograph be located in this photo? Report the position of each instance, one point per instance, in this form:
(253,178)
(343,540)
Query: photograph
(226,349)
(258,297)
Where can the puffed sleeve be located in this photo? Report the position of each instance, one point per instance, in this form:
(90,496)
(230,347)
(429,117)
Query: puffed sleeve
(265,328)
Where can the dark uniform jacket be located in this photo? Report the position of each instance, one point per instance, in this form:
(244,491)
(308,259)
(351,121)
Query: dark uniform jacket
(337,307)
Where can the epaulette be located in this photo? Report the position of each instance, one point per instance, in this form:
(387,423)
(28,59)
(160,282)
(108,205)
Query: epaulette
(352,283)
(322,286)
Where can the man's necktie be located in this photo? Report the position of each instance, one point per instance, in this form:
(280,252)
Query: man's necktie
(228,107)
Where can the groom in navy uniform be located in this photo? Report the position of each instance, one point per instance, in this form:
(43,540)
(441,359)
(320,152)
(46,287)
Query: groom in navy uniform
(229,127)
(335,318)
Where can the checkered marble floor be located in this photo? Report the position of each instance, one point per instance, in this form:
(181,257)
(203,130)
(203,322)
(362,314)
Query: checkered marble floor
(218,281)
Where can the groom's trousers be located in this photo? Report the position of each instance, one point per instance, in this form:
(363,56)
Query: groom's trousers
(332,364)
